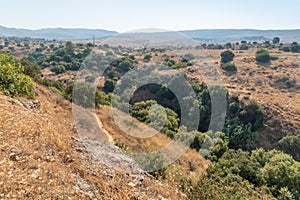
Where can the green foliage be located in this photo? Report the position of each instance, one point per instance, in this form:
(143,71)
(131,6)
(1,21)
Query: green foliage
(59,69)
(262,56)
(244,47)
(252,113)
(181,65)
(90,79)
(227,56)
(109,85)
(242,122)
(286,82)
(295,48)
(275,171)
(13,81)
(187,57)
(285,48)
(282,171)
(140,110)
(276,40)
(229,67)
(84,95)
(70,48)
(274,57)
(231,187)
(147,57)
(154,163)
(291,145)
(213,145)
(285,194)
(31,69)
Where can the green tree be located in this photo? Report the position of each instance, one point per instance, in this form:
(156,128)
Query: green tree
(147,57)
(227,56)
(109,85)
(31,69)
(276,40)
(262,56)
(58,69)
(187,57)
(229,67)
(291,145)
(70,48)
(13,81)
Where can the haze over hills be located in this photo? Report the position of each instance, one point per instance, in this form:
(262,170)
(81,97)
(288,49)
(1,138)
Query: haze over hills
(222,35)
(203,35)
(57,33)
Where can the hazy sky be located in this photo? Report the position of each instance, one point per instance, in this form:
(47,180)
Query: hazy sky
(126,15)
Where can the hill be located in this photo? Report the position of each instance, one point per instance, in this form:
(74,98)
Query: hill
(57,33)
(233,35)
(202,35)
(43,157)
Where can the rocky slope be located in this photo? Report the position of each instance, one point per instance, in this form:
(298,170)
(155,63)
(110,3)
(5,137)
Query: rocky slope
(43,157)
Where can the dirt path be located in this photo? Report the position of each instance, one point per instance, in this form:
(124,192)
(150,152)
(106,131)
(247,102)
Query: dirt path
(108,136)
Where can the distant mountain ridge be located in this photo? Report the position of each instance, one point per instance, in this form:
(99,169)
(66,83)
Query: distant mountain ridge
(224,35)
(203,35)
(57,33)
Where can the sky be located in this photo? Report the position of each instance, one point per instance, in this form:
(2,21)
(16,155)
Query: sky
(128,15)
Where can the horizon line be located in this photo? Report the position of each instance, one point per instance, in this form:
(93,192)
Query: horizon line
(137,29)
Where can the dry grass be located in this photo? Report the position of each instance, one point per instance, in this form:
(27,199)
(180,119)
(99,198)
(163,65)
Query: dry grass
(41,157)
(256,81)
(156,142)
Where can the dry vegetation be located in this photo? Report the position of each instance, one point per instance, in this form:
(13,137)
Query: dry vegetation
(264,83)
(42,157)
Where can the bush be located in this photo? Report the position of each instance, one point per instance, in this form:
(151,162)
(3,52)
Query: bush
(291,145)
(147,57)
(188,57)
(286,49)
(276,40)
(244,47)
(59,69)
(90,79)
(13,81)
(30,69)
(109,85)
(229,67)
(227,56)
(295,48)
(262,56)
(140,111)
(274,57)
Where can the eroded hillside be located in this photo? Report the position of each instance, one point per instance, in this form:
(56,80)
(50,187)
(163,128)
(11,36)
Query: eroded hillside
(42,157)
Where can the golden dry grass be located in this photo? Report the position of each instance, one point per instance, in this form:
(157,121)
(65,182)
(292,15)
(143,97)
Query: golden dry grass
(42,157)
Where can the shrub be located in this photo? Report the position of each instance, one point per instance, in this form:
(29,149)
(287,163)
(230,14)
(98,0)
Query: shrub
(12,79)
(90,79)
(276,40)
(244,47)
(188,57)
(286,49)
(262,56)
(295,48)
(109,85)
(147,57)
(274,57)
(229,67)
(227,56)
(291,145)
(30,69)
(59,69)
